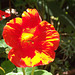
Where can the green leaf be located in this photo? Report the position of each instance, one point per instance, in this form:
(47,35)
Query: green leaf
(42,72)
(7,66)
(4,47)
(3,44)
(28,72)
(12,73)
(1,72)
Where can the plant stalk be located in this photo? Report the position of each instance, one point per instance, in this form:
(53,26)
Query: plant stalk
(23,71)
(32,73)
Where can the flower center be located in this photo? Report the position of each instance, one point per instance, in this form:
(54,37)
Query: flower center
(26,37)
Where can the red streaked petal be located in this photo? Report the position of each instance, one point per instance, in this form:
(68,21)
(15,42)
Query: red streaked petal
(54,39)
(31,18)
(12,32)
(20,59)
(7,15)
(46,37)
(15,57)
(17,20)
(2,12)
(38,59)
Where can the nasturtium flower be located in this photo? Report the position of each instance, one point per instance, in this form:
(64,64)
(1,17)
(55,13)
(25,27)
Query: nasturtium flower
(2,13)
(33,41)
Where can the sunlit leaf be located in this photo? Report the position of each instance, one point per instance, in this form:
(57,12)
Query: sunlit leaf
(37,72)
(3,44)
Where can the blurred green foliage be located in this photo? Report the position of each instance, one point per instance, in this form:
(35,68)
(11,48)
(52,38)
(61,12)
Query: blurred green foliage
(60,13)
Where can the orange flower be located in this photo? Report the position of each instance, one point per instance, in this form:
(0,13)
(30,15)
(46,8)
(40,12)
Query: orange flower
(33,41)
(2,13)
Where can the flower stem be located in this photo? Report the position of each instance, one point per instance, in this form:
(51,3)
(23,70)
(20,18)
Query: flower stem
(32,73)
(23,71)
